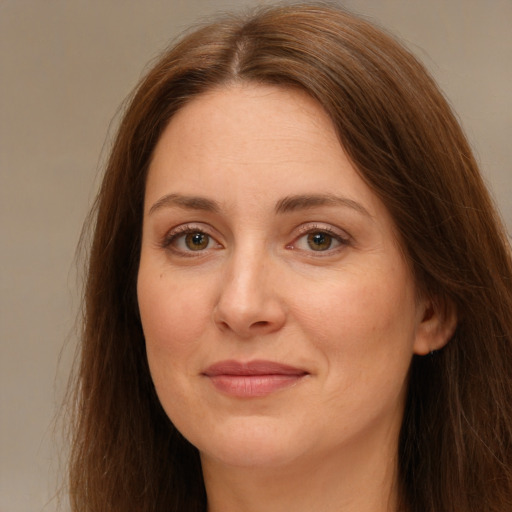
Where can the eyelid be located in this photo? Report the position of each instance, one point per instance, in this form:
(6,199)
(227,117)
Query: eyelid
(311,227)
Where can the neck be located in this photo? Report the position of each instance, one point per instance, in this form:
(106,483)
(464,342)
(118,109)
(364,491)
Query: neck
(364,481)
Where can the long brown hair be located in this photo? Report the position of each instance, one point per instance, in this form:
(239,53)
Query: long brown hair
(456,441)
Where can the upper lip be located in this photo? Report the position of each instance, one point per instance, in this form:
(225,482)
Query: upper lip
(250,368)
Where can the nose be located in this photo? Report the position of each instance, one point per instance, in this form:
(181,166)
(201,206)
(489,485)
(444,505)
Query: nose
(249,303)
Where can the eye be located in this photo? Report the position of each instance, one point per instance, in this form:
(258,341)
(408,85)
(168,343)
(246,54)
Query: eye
(196,241)
(186,239)
(319,240)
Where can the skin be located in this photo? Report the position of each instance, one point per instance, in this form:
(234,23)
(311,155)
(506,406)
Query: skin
(347,314)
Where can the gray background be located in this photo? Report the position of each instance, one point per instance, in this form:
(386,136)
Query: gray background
(65,68)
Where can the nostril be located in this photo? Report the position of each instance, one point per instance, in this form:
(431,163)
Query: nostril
(262,323)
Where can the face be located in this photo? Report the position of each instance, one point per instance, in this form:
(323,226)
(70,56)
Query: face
(279,314)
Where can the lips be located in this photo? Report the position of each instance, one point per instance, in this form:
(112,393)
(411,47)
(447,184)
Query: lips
(252,379)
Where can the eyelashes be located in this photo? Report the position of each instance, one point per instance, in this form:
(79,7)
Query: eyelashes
(191,240)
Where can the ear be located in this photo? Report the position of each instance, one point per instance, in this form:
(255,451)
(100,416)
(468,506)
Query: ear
(437,323)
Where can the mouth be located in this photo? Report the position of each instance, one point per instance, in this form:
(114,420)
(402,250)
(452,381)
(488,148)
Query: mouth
(252,379)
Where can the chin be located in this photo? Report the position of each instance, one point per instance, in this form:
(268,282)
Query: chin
(250,445)
(255,456)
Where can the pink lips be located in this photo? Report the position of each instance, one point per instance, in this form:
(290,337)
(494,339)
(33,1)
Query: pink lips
(252,379)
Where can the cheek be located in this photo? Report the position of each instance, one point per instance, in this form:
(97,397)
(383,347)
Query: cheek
(168,307)
(173,318)
(362,321)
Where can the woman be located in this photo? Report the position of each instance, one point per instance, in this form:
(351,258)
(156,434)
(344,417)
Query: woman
(299,295)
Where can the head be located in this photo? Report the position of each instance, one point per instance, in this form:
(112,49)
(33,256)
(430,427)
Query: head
(403,142)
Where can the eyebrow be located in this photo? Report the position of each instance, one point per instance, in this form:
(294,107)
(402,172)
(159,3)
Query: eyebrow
(185,202)
(286,205)
(304,202)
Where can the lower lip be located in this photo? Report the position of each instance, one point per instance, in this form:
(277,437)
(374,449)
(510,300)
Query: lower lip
(252,386)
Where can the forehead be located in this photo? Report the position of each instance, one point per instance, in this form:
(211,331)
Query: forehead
(238,118)
(239,134)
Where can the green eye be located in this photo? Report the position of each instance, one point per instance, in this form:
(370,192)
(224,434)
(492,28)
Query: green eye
(197,241)
(319,241)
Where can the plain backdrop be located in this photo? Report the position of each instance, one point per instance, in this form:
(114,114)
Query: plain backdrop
(65,68)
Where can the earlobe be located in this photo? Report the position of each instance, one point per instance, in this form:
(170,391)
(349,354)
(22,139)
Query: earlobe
(437,326)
